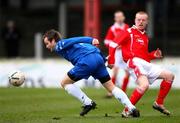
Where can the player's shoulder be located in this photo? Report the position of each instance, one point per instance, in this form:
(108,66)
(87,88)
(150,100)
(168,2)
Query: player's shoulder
(131,29)
(126,26)
(114,27)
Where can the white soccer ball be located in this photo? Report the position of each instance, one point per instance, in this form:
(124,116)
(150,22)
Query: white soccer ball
(16,78)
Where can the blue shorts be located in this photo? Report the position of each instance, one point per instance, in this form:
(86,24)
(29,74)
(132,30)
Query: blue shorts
(90,65)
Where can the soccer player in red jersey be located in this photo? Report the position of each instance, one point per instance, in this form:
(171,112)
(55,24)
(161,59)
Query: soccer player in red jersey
(134,44)
(115,60)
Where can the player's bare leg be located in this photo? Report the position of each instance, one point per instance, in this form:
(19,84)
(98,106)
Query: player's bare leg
(138,92)
(143,85)
(122,97)
(75,91)
(113,78)
(165,86)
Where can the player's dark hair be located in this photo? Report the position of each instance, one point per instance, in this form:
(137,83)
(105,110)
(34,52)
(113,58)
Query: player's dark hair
(52,34)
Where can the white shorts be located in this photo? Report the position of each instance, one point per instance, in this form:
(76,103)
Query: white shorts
(119,62)
(138,66)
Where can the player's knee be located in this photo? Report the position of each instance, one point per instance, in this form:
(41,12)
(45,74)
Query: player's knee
(170,77)
(143,87)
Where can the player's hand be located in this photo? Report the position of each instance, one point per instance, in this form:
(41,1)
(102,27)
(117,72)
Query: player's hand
(158,53)
(110,66)
(95,42)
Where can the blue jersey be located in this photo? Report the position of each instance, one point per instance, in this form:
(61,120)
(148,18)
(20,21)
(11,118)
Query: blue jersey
(73,49)
(86,58)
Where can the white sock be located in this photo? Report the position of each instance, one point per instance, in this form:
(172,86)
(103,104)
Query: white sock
(77,93)
(122,97)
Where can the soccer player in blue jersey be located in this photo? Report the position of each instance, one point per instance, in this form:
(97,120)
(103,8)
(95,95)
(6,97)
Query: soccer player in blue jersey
(88,61)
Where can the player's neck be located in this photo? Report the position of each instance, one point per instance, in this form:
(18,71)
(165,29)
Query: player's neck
(119,23)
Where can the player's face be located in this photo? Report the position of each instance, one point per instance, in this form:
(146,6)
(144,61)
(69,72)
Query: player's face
(141,21)
(119,17)
(49,44)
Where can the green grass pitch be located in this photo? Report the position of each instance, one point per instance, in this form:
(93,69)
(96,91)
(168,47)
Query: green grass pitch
(31,105)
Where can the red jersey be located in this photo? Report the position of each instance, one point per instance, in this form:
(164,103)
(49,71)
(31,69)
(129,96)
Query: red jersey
(134,43)
(113,31)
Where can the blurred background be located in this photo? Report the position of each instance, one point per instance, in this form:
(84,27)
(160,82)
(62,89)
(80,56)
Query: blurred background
(29,19)
(68,16)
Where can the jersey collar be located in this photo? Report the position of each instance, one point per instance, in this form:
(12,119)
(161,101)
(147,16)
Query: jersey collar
(135,27)
(121,26)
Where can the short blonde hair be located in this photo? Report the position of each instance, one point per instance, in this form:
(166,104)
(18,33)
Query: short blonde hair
(142,13)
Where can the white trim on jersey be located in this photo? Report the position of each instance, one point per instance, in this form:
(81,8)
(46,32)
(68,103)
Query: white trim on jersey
(135,27)
(107,42)
(131,36)
(113,44)
(117,26)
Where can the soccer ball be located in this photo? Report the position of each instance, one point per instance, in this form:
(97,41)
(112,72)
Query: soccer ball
(16,78)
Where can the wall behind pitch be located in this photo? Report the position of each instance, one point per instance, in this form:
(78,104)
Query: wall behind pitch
(49,73)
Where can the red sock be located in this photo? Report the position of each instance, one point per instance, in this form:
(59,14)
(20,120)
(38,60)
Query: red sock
(164,89)
(136,96)
(113,80)
(125,83)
